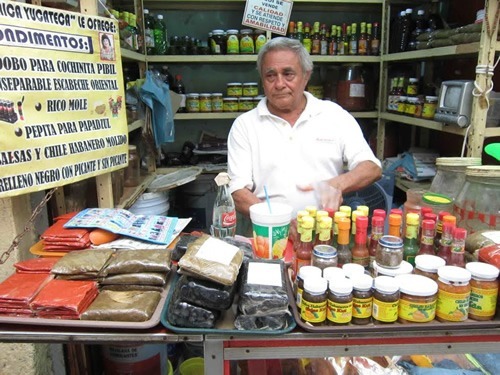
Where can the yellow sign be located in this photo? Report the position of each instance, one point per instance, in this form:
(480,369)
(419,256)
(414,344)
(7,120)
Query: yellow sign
(62,110)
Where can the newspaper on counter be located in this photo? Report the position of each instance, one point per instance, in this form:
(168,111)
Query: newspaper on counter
(152,228)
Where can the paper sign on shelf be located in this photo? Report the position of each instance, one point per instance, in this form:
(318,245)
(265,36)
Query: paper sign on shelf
(271,15)
(62,110)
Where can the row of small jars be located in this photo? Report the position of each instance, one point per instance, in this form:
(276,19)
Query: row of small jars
(339,296)
(414,106)
(235,42)
(215,102)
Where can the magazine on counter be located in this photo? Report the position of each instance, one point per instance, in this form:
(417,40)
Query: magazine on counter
(152,228)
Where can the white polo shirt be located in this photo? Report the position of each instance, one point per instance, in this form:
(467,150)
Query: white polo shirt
(264,149)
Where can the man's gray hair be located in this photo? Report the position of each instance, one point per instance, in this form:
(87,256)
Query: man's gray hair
(286,44)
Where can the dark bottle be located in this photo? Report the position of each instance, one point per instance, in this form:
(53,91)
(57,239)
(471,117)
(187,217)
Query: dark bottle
(181,90)
(323,41)
(316,46)
(406,29)
(375,40)
(332,46)
(168,78)
(353,40)
(307,42)
(149,38)
(395,35)
(291,30)
(341,31)
(369,38)
(300,32)
(410,246)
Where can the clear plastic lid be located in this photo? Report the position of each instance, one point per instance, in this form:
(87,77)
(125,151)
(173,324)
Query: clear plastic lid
(353,269)
(416,285)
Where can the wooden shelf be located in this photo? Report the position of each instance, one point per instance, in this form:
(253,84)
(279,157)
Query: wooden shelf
(404,184)
(448,51)
(135,125)
(423,123)
(231,59)
(128,55)
(233,115)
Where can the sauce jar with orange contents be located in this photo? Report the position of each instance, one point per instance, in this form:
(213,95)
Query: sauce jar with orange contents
(453,294)
(484,290)
(417,298)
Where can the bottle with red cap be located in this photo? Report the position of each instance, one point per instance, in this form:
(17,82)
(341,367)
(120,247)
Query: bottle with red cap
(377,232)
(457,253)
(439,228)
(360,253)
(446,240)
(427,216)
(427,237)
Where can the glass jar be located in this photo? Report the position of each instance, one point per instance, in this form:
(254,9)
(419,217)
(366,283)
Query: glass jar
(260,39)
(324,256)
(450,175)
(427,265)
(429,107)
(410,106)
(362,300)
(132,172)
(477,206)
(437,202)
(205,102)
(230,104)
(417,299)
(453,294)
(314,300)
(218,42)
(413,201)
(234,89)
(304,273)
(232,42)
(412,87)
(247,45)
(403,100)
(484,290)
(339,304)
(333,273)
(385,299)
(217,102)
(245,103)
(250,89)
(389,253)
(351,88)
(352,270)
(193,103)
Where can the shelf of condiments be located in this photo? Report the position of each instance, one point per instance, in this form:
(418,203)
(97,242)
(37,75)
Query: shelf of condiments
(404,98)
(130,33)
(337,39)
(414,273)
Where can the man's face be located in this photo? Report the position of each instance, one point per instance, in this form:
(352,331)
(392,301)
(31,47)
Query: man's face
(283,81)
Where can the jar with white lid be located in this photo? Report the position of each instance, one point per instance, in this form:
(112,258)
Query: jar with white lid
(193,103)
(339,304)
(314,298)
(484,290)
(362,301)
(453,294)
(404,268)
(353,269)
(304,272)
(250,89)
(234,89)
(385,299)
(450,175)
(477,206)
(332,273)
(427,265)
(233,42)
(417,299)
(217,102)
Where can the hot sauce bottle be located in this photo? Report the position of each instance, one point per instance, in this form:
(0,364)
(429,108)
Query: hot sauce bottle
(457,253)
(444,249)
(377,232)
(305,244)
(427,237)
(410,246)
(395,222)
(360,253)
(344,254)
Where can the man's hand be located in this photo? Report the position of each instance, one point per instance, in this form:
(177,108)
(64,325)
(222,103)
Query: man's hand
(328,196)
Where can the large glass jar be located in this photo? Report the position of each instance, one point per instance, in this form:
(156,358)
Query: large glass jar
(351,88)
(450,175)
(477,206)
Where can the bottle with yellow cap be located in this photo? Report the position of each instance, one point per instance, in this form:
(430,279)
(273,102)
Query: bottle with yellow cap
(410,242)
(319,215)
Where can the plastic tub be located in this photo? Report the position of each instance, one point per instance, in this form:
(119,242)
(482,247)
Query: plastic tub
(192,366)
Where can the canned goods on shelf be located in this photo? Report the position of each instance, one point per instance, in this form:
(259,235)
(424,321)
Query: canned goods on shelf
(230,104)
(217,102)
(245,103)
(205,102)
(193,103)
(250,89)
(234,89)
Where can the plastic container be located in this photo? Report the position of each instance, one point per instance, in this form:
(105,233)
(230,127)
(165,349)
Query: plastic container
(427,265)
(352,270)
(417,299)
(450,175)
(484,290)
(413,201)
(385,299)
(273,225)
(333,273)
(389,253)
(362,301)
(454,294)
(151,204)
(437,202)
(404,268)
(192,366)
(324,256)
(135,359)
(339,303)
(477,206)
(351,88)
(314,301)
(304,273)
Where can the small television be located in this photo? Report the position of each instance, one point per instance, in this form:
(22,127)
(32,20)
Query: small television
(455,102)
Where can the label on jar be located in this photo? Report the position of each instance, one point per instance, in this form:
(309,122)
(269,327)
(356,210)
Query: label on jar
(192,103)
(233,45)
(452,306)
(234,90)
(483,301)
(250,90)
(259,42)
(245,104)
(299,297)
(339,312)
(357,90)
(230,106)
(217,103)
(419,312)
(205,104)
(429,110)
(246,45)
(313,312)
(362,307)
(385,311)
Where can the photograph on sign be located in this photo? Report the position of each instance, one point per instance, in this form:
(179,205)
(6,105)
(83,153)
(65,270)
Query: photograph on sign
(270,15)
(62,110)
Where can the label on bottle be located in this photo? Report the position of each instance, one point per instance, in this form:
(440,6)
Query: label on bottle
(452,306)
(339,312)
(385,311)
(483,301)
(228,219)
(233,45)
(362,307)
(419,312)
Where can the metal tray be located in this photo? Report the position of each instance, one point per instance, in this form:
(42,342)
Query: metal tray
(152,322)
(224,324)
(389,327)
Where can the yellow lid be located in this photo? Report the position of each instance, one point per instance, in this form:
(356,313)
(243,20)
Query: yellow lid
(364,209)
(337,215)
(346,209)
(412,218)
(307,222)
(436,199)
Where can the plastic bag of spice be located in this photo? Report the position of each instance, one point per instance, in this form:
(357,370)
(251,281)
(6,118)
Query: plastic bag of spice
(263,291)
(261,323)
(480,239)
(137,260)
(212,259)
(182,245)
(205,293)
